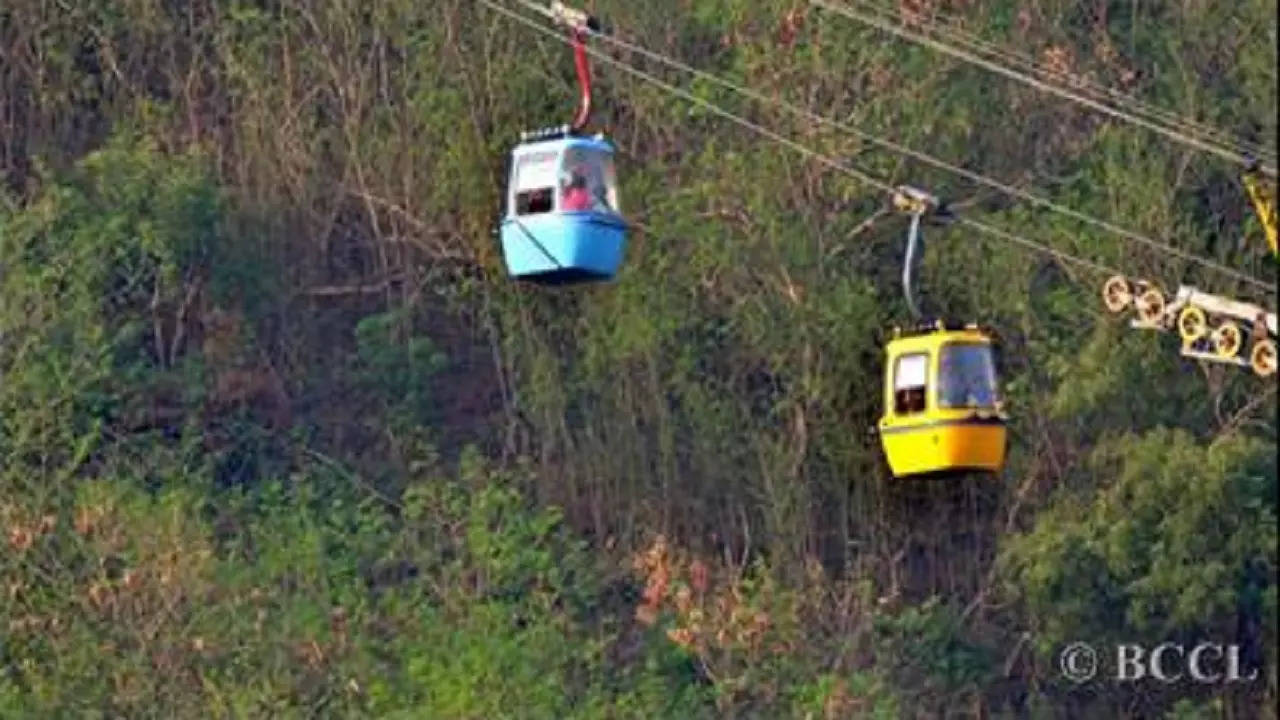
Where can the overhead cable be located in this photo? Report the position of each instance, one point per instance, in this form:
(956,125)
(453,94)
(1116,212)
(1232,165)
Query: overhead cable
(923,157)
(808,152)
(903,32)
(952,30)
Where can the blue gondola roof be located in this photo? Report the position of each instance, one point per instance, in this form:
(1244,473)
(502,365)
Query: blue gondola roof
(562,136)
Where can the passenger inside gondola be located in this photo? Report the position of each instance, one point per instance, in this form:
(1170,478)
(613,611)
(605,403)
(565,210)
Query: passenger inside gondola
(532,202)
(576,196)
(966,376)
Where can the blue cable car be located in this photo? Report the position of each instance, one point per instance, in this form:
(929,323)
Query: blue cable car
(563,223)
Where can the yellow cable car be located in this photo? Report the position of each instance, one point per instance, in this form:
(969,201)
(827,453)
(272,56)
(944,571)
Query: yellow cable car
(942,411)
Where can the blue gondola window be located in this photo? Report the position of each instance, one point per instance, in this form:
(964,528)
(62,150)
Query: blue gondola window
(535,181)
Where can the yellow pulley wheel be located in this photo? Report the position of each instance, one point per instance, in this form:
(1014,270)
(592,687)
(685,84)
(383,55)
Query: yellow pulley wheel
(1150,306)
(1227,340)
(1263,357)
(1192,324)
(1116,294)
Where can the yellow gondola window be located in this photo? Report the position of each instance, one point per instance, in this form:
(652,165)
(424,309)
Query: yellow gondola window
(910,383)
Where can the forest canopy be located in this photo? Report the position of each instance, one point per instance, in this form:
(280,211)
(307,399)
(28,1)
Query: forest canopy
(279,436)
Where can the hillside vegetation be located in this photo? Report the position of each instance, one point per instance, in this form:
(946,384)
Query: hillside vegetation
(280,438)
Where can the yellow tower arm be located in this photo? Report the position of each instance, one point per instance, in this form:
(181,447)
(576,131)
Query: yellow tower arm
(1264,202)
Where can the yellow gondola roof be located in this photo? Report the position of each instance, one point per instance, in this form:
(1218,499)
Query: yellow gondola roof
(925,334)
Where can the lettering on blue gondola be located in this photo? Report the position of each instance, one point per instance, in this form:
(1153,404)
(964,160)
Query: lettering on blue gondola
(538,157)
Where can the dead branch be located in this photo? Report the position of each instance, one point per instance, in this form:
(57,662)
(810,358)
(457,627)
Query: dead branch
(338,290)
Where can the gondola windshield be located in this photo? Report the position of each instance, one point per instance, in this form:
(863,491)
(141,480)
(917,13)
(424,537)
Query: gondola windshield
(588,181)
(966,376)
